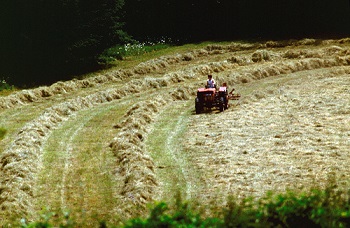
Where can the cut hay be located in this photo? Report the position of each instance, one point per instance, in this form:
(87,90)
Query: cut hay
(183,93)
(241,61)
(261,55)
(28,96)
(287,67)
(188,57)
(20,161)
(287,137)
(233,47)
(307,42)
(133,162)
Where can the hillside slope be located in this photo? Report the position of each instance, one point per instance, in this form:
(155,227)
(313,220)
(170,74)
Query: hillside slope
(106,146)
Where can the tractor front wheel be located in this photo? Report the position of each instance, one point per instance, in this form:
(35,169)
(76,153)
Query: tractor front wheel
(199,106)
(221,104)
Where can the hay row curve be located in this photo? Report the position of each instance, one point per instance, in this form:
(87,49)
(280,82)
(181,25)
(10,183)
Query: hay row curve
(18,164)
(139,85)
(247,71)
(27,96)
(21,160)
(133,162)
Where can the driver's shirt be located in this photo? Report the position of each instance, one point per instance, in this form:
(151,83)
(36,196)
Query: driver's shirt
(211,83)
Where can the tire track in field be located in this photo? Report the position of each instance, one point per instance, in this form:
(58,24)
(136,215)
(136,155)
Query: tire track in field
(165,143)
(173,148)
(68,155)
(34,135)
(21,161)
(77,158)
(293,134)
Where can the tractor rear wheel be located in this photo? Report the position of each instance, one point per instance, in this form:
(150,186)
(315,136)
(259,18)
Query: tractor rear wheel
(221,104)
(226,103)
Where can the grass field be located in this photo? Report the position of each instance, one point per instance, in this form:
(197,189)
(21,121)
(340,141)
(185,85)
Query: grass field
(106,146)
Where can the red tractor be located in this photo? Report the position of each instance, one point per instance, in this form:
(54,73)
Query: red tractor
(208,98)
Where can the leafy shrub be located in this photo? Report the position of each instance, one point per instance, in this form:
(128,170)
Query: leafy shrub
(119,52)
(316,208)
(181,217)
(4,85)
(327,208)
(46,221)
(113,53)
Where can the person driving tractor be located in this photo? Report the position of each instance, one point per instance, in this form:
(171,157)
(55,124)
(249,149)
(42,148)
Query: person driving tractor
(210,82)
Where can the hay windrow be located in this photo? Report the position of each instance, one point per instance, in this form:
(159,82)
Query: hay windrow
(233,47)
(138,168)
(287,137)
(26,150)
(183,93)
(261,55)
(241,61)
(21,160)
(286,67)
(22,97)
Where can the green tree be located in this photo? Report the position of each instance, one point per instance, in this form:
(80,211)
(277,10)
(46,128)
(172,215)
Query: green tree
(44,41)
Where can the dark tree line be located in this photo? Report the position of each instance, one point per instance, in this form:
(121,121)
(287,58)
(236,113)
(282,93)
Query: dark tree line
(44,41)
(197,20)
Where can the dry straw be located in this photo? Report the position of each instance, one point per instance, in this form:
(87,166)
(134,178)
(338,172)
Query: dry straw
(21,160)
(22,97)
(134,163)
(27,96)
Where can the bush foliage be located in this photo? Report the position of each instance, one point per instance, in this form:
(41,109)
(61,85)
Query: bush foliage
(119,52)
(328,208)
(316,208)
(4,85)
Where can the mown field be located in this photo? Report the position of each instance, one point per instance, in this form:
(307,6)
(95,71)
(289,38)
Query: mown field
(104,147)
